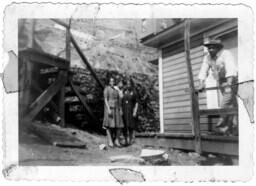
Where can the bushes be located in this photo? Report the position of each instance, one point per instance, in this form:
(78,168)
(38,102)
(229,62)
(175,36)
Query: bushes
(146,87)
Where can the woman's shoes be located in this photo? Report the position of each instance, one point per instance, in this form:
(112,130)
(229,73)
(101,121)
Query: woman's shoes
(117,144)
(110,144)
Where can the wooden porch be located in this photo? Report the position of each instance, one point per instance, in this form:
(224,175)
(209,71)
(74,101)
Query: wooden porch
(227,145)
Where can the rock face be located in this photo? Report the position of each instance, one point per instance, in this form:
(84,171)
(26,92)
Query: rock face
(111,46)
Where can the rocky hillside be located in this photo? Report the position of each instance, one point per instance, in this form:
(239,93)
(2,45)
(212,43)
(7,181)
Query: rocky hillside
(111,46)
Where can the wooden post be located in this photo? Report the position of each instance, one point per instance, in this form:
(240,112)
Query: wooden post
(80,53)
(193,95)
(84,59)
(62,89)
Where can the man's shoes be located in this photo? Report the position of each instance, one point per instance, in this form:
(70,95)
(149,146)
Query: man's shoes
(220,123)
(224,130)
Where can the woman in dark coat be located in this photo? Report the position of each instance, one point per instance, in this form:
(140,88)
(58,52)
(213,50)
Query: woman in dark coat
(130,107)
(112,121)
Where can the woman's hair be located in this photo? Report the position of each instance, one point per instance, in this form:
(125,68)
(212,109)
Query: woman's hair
(131,83)
(108,77)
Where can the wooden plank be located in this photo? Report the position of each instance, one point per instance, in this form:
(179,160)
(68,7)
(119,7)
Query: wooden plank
(185,103)
(195,52)
(40,90)
(173,121)
(229,111)
(182,82)
(175,93)
(180,76)
(178,127)
(81,98)
(178,81)
(180,66)
(184,128)
(174,83)
(177,115)
(179,71)
(176,104)
(179,143)
(44,58)
(176,99)
(174,135)
(84,59)
(194,99)
(177,110)
(195,59)
(180,87)
(46,96)
(221,145)
(55,136)
(175,88)
(62,89)
(182,104)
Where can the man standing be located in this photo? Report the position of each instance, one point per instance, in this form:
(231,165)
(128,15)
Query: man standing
(224,70)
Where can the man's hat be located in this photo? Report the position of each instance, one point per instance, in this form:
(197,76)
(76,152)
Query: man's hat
(216,42)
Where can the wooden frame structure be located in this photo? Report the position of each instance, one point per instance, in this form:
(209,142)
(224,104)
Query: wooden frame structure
(63,77)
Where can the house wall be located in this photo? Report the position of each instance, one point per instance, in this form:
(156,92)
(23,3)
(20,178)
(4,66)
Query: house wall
(176,115)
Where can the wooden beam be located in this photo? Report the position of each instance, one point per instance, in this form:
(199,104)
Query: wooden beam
(227,111)
(193,95)
(84,59)
(81,98)
(46,96)
(60,23)
(44,58)
(40,90)
(210,144)
(62,89)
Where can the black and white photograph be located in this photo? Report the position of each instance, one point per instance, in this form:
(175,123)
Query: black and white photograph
(132,91)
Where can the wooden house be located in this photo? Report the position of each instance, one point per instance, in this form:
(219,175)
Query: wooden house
(175,105)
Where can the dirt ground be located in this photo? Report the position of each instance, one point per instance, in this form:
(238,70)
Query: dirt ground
(35,151)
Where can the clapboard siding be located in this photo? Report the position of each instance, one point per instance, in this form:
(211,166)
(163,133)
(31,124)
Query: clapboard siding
(197,64)
(185,127)
(188,120)
(177,61)
(175,49)
(171,72)
(176,98)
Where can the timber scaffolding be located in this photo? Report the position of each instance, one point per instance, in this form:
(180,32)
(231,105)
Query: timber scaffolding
(35,61)
(195,141)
